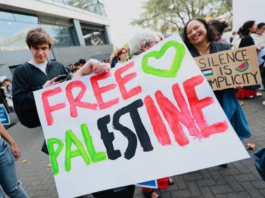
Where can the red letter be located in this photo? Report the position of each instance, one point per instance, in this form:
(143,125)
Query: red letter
(174,116)
(77,101)
(49,109)
(197,105)
(157,122)
(122,81)
(99,90)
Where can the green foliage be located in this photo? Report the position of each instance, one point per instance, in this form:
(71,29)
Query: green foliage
(168,16)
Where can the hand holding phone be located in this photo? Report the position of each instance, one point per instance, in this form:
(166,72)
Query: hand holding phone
(62,78)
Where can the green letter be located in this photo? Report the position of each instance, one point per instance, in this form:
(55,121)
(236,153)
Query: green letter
(95,156)
(54,155)
(71,138)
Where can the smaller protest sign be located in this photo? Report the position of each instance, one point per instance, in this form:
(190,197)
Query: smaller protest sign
(148,184)
(230,68)
(4,118)
(261,57)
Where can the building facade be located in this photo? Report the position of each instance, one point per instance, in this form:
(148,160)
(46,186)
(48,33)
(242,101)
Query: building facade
(80,29)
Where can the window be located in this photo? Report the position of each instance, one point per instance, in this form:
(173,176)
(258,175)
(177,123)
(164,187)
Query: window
(7,16)
(25,18)
(61,35)
(13,35)
(93,35)
(95,6)
(14,29)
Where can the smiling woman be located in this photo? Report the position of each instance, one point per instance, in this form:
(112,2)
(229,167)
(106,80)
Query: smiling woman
(199,38)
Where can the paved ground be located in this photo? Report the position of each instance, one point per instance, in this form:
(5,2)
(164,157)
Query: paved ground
(239,180)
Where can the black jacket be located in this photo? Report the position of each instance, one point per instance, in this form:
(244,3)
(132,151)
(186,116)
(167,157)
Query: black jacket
(28,78)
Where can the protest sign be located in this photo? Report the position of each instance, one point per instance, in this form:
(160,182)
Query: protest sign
(148,184)
(4,117)
(152,117)
(230,68)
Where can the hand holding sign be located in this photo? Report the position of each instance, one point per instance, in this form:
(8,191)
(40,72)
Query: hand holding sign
(136,123)
(93,66)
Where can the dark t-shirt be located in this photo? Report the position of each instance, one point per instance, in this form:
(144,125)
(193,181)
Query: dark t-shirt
(246,41)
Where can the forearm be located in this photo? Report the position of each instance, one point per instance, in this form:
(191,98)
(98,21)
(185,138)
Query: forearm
(5,135)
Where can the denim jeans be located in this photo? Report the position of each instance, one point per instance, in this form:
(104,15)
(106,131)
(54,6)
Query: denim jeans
(8,174)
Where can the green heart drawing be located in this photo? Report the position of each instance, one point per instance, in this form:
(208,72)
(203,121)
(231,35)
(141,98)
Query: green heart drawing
(180,53)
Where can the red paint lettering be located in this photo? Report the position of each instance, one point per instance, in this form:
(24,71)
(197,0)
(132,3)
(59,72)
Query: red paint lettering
(77,101)
(197,105)
(157,122)
(49,109)
(122,81)
(99,90)
(174,116)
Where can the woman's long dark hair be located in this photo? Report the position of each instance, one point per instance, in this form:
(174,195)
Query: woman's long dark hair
(244,30)
(210,33)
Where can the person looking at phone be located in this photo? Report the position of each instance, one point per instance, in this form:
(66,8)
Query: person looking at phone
(39,73)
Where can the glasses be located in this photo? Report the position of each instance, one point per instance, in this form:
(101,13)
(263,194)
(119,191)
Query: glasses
(124,53)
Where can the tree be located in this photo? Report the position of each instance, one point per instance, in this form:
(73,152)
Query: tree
(168,16)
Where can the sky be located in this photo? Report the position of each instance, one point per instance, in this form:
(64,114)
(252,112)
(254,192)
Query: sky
(121,13)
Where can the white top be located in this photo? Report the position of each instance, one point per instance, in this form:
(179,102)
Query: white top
(42,67)
(259,39)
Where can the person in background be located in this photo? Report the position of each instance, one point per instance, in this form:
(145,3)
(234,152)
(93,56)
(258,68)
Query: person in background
(218,29)
(139,43)
(113,59)
(259,36)
(122,55)
(105,61)
(8,174)
(77,66)
(161,36)
(108,61)
(82,62)
(232,38)
(8,93)
(246,30)
(72,70)
(199,39)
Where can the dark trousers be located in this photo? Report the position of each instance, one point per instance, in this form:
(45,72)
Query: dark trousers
(126,193)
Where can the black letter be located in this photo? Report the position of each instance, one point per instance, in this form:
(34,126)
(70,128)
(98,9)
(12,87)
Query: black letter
(221,59)
(236,56)
(236,81)
(202,63)
(219,81)
(213,63)
(226,82)
(108,138)
(244,55)
(254,75)
(138,125)
(227,68)
(212,82)
(232,59)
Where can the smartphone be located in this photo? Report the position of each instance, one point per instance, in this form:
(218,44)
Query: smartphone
(61,78)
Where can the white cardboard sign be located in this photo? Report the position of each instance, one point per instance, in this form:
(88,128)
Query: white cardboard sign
(152,117)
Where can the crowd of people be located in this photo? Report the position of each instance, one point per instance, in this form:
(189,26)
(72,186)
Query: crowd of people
(200,37)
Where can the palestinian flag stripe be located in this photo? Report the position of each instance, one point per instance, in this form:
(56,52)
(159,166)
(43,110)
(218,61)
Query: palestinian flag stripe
(207,72)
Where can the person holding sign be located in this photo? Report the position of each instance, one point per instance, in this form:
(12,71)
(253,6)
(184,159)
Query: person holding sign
(8,174)
(246,30)
(139,43)
(199,38)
